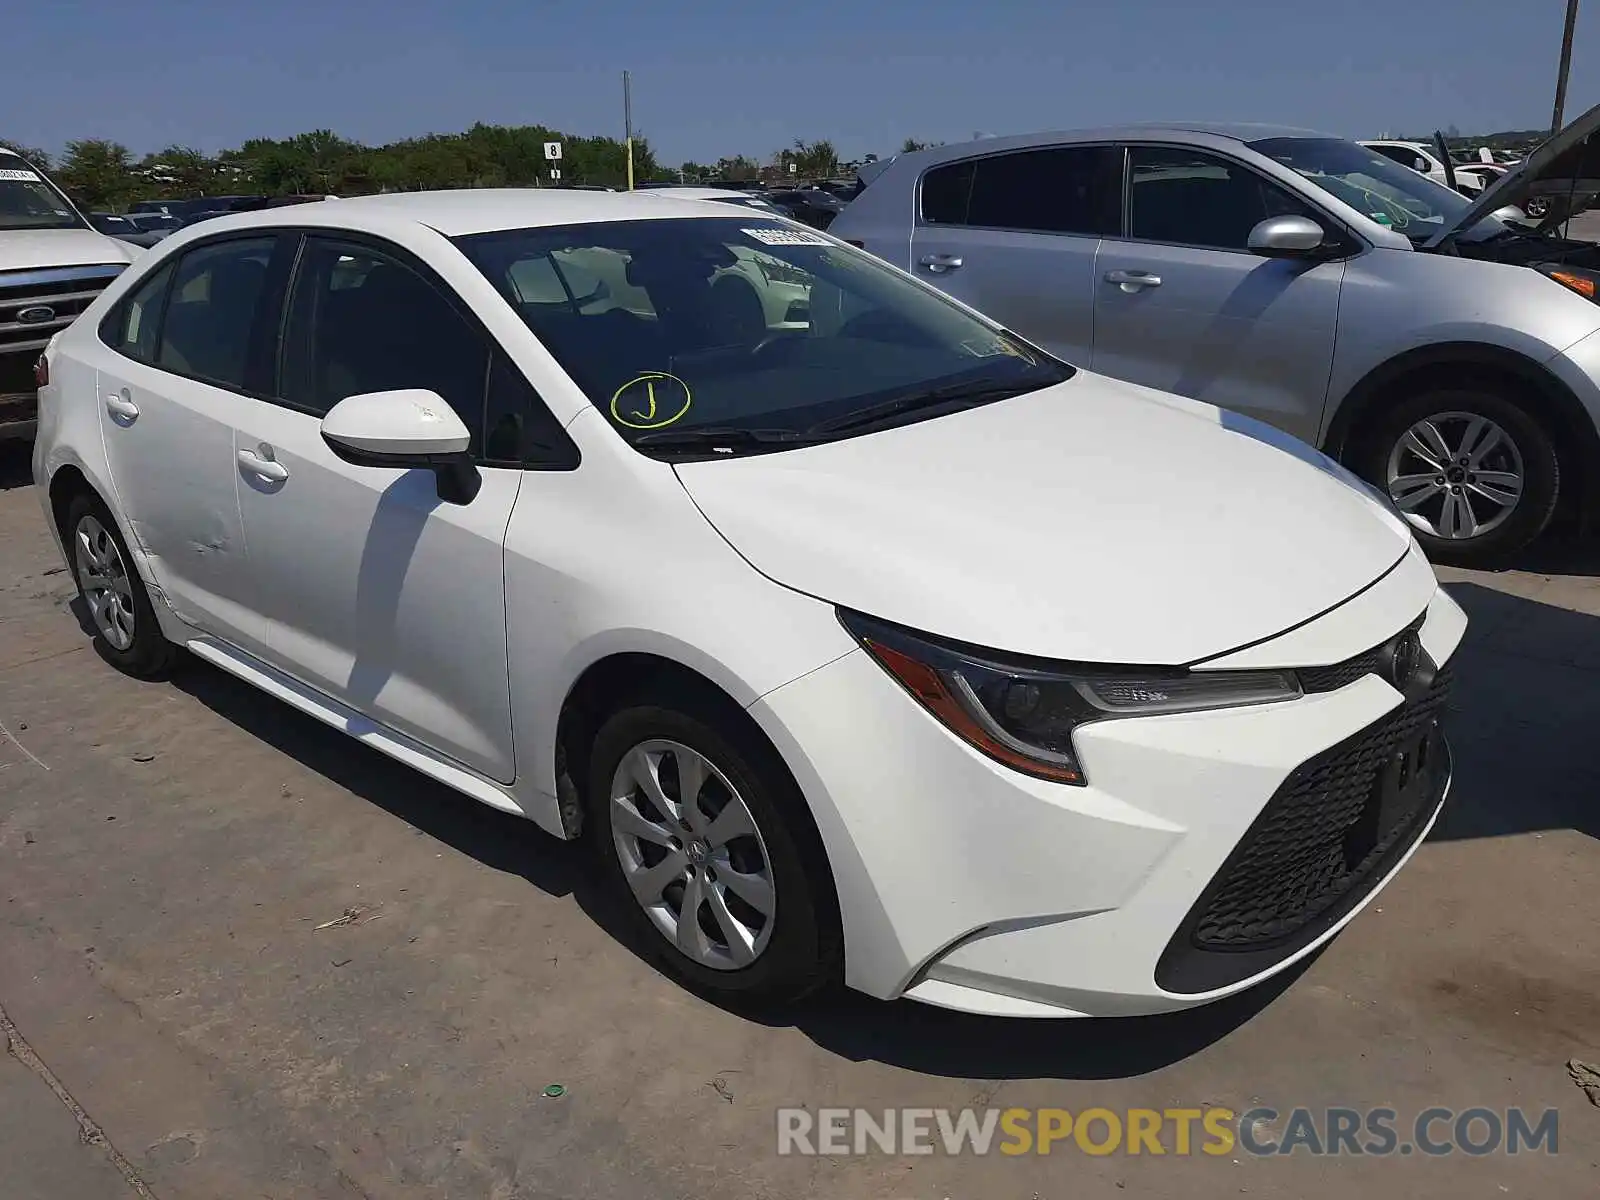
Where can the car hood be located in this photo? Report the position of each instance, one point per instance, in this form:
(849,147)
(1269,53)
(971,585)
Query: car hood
(1567,164)
(1091,521)
(38,249)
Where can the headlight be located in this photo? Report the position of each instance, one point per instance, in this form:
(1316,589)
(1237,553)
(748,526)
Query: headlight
(1023,712)
(1574,279)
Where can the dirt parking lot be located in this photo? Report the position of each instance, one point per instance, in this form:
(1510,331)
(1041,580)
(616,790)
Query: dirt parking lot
(170,853)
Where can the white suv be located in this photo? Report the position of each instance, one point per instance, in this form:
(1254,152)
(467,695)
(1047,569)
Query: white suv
(887,647)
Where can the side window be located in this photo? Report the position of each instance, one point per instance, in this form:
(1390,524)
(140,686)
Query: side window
(946,192)
(1198,199)
(363,321)
(1405,156)
(212,311)
(518,429)
(1066,189)
(132,326)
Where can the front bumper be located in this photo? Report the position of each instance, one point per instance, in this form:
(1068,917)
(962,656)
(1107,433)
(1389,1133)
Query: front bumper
(968,885)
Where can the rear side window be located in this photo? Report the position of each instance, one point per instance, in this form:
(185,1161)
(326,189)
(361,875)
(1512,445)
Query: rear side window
(135,323)
(212,311)
(946,192)
(1061,189)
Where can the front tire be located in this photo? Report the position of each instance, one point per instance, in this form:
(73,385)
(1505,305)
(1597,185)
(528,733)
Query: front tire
(127,634)
(1476,475)
(706,844)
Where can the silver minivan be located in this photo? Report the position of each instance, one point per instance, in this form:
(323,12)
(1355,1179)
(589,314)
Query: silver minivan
(1446,349)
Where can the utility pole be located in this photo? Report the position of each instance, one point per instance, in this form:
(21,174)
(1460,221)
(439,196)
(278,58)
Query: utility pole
(627,118)
(1566,65)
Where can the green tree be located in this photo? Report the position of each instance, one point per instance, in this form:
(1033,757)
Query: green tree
(911,146)
(737,168)
(179,171)
(814,159)
(97,173)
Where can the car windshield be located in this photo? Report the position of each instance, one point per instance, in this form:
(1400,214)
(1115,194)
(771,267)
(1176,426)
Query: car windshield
(30,201)
(1387,192)
(745,324)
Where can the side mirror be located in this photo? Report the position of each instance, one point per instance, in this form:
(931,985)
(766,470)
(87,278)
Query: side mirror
(410,428)
(1285,237)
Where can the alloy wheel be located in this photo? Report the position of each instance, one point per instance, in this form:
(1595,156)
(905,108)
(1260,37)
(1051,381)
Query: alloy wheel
(1455,475)
(104,578)
(692,854)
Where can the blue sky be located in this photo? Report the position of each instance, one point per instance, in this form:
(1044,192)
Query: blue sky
(712,77)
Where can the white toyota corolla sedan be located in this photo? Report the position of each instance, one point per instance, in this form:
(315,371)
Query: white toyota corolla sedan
(867,642)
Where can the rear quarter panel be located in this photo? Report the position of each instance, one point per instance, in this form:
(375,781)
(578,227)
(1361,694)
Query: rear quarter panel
(881,218)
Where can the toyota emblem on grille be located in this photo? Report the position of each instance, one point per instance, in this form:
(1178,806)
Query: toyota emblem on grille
(35,314)
(1405,660)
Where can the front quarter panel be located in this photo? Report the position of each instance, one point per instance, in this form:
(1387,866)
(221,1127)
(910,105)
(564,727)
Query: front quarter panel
(1394,301)
(615,558)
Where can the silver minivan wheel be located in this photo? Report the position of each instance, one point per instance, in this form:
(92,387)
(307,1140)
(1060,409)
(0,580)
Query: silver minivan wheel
(1455,475)
(692,854)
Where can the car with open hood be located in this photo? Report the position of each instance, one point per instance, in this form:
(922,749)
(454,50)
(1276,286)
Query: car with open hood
(879,646)
(1445,348)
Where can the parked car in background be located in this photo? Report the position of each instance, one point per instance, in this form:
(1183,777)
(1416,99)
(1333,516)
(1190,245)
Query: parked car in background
(815,638)
(53,262)
(131,228)
(741,199)
(157,225)
(1450,359)
(812,206)
(1423,159)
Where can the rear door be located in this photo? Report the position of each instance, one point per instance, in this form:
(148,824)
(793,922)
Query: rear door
(378,593)
(1015,235)
(183,347)
(1182,305)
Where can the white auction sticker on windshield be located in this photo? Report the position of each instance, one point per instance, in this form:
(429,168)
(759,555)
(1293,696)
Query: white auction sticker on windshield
(24,176)
(786,237)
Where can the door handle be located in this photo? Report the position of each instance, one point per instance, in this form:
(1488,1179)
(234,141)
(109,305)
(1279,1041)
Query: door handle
(275,472)
(1132,281)
(940,263)
(119,405)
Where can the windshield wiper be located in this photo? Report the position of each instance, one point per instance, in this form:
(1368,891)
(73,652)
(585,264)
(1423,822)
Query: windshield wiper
(721,437)
(956,393)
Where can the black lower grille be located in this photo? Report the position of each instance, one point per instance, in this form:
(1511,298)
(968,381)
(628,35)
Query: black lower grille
(1328,835)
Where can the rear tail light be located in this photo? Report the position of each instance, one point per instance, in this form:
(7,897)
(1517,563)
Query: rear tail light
(41,370)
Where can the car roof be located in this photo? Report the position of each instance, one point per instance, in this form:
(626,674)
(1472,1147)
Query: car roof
(475,210)
(1237,131)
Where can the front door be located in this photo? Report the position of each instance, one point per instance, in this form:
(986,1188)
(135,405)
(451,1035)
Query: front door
(378,593)
(1015,236)
(169,389)
(1182,305)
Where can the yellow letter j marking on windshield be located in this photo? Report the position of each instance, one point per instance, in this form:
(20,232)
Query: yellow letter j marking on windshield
(661,400)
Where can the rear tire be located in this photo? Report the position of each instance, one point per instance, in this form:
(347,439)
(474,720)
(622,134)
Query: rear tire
(127,634)
(731,949)
(1475,474)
